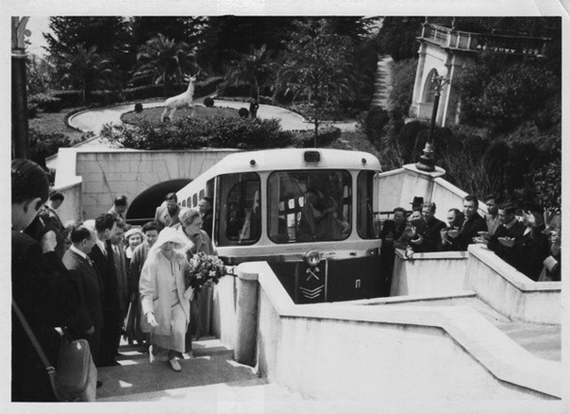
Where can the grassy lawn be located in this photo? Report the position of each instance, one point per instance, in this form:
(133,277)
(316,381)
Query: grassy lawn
(153,114)
(52,123)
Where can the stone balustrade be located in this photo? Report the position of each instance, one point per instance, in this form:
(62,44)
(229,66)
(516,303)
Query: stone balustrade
(478,42)
(348,351)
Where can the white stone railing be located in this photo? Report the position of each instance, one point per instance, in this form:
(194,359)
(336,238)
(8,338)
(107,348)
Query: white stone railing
(436,273)
(351,352)
(509,291)
(476,42)
(482,272)
(397,188)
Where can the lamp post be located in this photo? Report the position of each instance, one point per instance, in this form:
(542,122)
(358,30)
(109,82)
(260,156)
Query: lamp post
(426,162)
(20,137)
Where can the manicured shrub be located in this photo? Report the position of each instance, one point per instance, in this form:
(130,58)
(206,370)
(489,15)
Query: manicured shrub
(138,107)
(193,133)
(45,145)
(208,102)
(306,139)
(243,113)
(46,102)
(374,122)
(69,98)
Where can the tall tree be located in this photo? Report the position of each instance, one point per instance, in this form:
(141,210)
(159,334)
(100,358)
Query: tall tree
(85,70)
(164,60)
(178,28)
(109,34)
(318,67)
(251,68)
(397,37)
(226,38)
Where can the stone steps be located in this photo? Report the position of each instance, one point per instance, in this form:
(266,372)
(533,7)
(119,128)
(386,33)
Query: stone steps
(543,341)
(208,378)
(382,82)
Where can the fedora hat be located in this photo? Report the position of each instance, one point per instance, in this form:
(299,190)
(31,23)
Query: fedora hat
(417,201)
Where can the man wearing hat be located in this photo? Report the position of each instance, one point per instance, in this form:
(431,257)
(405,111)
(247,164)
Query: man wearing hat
(417,203)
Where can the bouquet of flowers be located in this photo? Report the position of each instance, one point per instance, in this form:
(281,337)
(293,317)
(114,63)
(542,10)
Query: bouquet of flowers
(204,269)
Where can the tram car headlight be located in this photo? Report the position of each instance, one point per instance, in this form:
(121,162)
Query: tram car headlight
(313,258)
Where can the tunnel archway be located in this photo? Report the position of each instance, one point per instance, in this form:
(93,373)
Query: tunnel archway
(144,205)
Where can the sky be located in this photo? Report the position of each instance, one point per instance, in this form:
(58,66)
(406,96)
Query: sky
(37,25)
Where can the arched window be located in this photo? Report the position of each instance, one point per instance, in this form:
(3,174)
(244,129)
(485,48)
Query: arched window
(430,86)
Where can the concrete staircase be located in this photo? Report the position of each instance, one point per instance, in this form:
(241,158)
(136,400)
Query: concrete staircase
(543,341)
(383,82)
(210,378)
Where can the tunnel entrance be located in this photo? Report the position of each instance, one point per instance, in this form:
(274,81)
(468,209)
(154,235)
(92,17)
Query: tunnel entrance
(143,207)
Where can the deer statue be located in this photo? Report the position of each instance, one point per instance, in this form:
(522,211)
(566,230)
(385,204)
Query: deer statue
(179,101)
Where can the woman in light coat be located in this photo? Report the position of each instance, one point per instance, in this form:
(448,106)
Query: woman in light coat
(164,297)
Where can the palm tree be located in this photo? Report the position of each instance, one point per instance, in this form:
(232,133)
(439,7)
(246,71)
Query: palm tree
(164,60)
(86,70)
(251,68)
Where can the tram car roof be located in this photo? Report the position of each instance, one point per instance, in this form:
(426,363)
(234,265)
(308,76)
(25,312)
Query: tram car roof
(295,159)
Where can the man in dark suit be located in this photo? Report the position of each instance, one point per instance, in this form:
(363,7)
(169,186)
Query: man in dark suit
(104,261)
(76,259)
(167,214)
(392,229)
(428,238)
(205,207)
(472,225)
(507,234)
(120,205)
(42,290)
(121,270)
(530,252)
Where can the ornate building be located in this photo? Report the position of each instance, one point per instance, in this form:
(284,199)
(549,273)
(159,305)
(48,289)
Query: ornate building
(444,52)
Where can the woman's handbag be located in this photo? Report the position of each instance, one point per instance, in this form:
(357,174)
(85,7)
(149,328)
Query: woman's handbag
(75,376)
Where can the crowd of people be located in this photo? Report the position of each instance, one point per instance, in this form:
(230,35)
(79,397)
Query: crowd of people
(527,237)
(102,279)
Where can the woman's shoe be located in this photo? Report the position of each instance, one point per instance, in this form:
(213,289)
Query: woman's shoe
(175,365)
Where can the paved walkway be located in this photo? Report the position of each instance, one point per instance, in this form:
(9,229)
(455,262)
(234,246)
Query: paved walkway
(92,120)
(207,380)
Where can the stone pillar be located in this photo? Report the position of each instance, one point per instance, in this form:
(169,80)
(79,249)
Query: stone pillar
(246,316)
(417,93)
(20,138)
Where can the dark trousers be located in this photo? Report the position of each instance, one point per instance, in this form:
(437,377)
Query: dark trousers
(94,341)
(109,345)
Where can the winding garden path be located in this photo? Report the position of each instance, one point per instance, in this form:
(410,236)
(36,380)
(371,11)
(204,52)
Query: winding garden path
(92,120)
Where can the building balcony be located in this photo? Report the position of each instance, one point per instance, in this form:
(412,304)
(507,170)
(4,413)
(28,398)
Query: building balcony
(451,39)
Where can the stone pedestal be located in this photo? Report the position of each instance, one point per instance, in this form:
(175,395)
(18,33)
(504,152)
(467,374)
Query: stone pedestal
(418,183)
(246,316)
